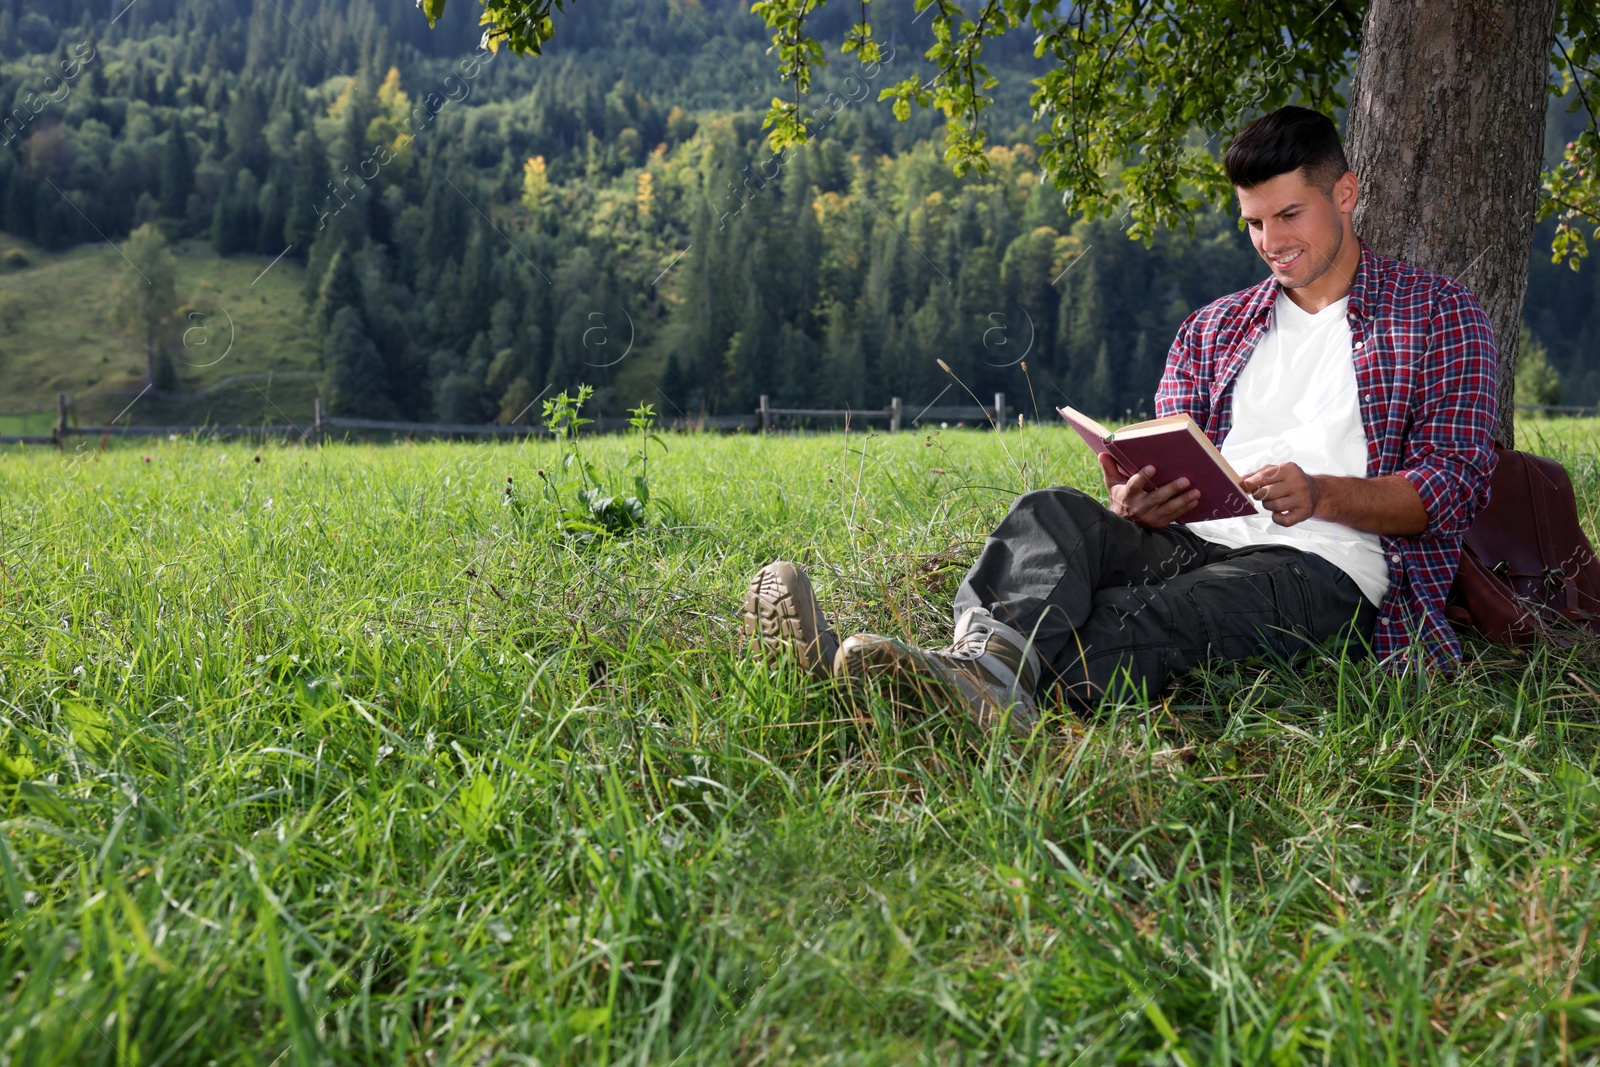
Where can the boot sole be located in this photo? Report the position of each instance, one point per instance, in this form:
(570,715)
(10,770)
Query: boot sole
(781,616)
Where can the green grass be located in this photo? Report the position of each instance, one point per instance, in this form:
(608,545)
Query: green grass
(50,344)
(36,423)
(333,758)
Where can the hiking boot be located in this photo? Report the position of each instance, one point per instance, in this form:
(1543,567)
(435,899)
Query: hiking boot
(782,617)
(986,672)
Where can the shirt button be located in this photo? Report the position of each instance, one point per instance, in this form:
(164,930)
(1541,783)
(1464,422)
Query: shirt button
(1395,558)
(1360,343)
(1366,398)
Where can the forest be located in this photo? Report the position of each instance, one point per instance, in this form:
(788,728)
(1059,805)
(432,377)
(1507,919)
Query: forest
(479,231)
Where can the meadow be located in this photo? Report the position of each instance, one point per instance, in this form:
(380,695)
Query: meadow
(243,352)
(344,755)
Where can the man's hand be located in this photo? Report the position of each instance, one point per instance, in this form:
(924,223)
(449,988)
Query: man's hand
(1138,500)
(1384,505)
(1285,490)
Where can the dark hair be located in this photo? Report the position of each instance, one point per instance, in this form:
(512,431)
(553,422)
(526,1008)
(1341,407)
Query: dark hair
(1289,139)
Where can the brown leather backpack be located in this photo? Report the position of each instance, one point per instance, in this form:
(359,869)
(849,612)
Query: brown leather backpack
(1527,571)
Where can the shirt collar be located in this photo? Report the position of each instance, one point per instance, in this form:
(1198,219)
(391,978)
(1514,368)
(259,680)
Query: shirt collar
(1265,295)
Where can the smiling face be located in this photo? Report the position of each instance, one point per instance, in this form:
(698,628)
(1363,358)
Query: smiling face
(1304,234)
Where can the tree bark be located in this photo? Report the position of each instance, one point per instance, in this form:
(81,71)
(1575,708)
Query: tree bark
(1446,134)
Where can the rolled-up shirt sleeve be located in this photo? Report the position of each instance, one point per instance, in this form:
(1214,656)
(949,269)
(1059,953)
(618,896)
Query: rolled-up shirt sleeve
(1449,451)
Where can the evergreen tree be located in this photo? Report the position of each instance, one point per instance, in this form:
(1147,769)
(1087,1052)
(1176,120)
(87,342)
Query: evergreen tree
(458,384)
(1100,389)
(269,239)
(234,222)
(177,173)
(247,146)
(340,289)
(674,383)
(469,307)
(308,192)
(357,384)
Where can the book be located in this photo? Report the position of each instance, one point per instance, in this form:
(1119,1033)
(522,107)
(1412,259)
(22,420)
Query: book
(1177,448)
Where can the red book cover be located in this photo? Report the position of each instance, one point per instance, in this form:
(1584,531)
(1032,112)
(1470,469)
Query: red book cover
(1177,448)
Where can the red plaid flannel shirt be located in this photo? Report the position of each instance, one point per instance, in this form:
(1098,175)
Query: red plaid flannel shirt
(1426,366)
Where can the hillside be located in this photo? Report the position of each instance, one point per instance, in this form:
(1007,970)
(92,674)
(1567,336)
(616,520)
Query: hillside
(501,229)
(245,354)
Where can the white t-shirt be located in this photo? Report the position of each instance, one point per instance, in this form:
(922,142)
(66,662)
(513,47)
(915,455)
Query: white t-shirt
(1295,400)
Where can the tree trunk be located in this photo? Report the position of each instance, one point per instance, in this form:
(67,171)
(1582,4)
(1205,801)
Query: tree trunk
(1446,133)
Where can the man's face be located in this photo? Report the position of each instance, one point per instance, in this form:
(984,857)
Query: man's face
(1296,227)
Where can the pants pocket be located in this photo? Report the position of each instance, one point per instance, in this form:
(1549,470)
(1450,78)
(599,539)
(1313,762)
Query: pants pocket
(1255,612)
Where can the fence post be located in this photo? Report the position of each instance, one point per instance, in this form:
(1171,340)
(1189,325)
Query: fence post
(894,415)
(762,418)
(999,411)
(319,425)
(60,432)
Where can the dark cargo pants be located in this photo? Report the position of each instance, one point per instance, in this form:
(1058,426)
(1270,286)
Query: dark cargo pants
(1108,602)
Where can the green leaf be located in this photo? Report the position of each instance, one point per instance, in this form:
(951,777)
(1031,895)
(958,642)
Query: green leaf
(474,808)
(90,726)
(17,768)
(588,1020)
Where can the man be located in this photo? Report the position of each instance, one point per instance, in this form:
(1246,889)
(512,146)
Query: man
(1358,391)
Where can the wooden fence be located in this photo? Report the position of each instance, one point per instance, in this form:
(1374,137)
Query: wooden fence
(765,418)
(897,414)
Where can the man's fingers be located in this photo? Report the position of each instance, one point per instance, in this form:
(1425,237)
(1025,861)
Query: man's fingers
(1178,505)
(1171,505)
(1286,500)
(1110,471)
(1168,491)
(1258,479)
(1158,506)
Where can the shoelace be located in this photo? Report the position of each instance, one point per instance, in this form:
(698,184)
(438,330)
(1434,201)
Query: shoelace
(972,644)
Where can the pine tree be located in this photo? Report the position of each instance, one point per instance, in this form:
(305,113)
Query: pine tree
(458,383)
(1100,391)
(475,293)
(356,381)
(340,289)
(269,231)
(246,120)
(308,191)
(222,225)
(177,173)
(674,383)
(234,222)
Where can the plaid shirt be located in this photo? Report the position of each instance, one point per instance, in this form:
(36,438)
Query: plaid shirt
(1426,367)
